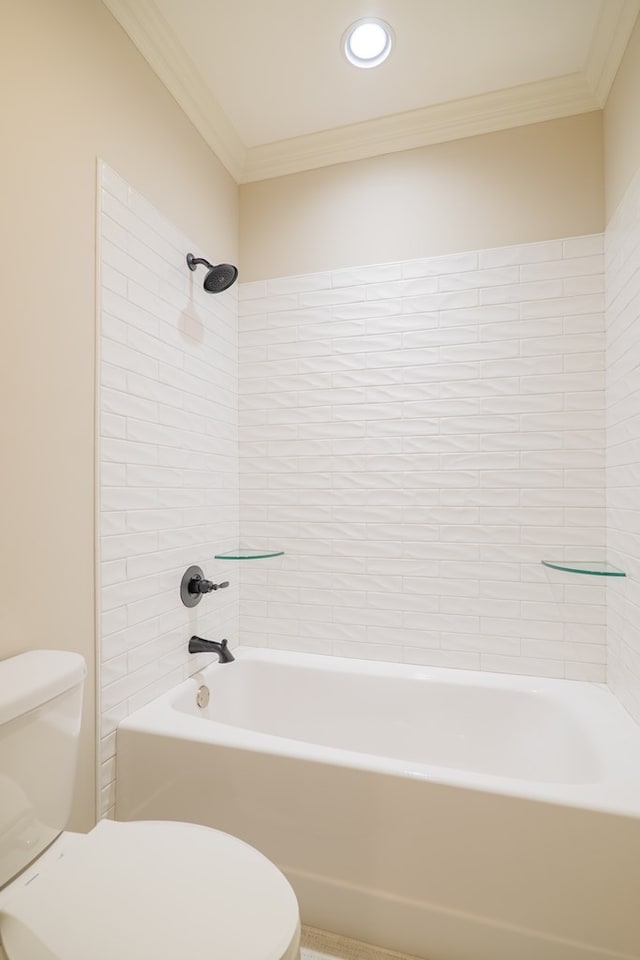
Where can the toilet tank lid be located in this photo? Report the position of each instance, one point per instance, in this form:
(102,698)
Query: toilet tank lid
(33,678)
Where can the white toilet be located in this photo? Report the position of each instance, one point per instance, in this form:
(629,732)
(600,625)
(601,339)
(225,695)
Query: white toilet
(151,890)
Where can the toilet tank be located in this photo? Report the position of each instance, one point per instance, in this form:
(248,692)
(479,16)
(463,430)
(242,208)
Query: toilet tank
(40,709)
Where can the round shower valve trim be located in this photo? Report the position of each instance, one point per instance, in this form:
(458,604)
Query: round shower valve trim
(194,585)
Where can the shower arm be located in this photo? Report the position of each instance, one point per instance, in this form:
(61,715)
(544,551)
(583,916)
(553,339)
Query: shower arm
(192,262)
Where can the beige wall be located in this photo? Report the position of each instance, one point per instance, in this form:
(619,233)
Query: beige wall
(622,126)
(73,88)
(515,186)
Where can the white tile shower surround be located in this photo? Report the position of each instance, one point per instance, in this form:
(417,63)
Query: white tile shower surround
(417,436)
(168,457)
(623,446)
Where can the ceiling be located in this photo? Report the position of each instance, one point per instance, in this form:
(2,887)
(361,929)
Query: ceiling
(267,86)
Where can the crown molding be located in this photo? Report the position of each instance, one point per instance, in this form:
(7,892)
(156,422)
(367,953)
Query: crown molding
(609,43)
(149,31)
(499,110)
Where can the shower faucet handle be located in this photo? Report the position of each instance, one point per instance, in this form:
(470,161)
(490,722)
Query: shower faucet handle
(200,585)
(194,585)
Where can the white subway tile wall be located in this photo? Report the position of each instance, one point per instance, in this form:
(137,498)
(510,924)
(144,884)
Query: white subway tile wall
(168,458)
(623,447)
(417,437)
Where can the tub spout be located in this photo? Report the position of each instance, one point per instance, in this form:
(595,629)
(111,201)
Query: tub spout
(200,645)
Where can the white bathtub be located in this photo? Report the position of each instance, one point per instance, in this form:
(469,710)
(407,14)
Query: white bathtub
(442,813)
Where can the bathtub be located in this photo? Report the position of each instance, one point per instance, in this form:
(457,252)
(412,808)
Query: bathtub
(447,814)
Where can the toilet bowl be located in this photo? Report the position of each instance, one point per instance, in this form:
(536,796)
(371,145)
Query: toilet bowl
(151,889)
(145,890)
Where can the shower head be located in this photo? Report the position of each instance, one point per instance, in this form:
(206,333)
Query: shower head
(219,277)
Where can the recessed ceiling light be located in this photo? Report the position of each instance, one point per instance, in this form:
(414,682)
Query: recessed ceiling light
(367,42)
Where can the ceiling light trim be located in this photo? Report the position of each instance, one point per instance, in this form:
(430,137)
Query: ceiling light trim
(367,63)
(149,31)
(499,110)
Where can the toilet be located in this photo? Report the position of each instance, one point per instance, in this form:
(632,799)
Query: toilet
(148,890)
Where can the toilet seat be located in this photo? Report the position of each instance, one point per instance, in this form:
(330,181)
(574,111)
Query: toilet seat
(151,890)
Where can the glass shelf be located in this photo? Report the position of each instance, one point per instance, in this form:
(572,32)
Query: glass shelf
(594,569)
(245,553)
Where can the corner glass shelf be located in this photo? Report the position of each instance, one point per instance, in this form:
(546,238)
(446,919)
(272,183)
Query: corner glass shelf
(593,569)
(245,553)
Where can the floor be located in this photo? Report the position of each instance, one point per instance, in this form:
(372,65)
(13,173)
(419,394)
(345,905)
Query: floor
(319,945)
